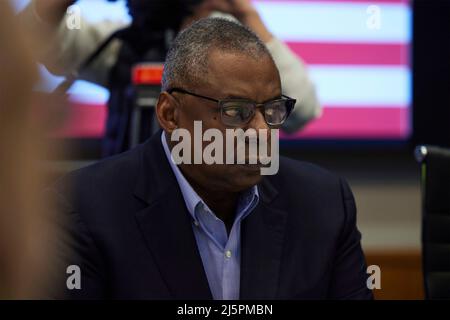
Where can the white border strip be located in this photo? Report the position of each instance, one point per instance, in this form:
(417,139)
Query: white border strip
(362,86)
(337,22)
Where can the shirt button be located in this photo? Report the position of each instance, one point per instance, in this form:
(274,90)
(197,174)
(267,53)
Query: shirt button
(228,254)
(196,223)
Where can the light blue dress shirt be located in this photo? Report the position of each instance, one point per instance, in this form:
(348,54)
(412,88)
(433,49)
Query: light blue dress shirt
(220,252)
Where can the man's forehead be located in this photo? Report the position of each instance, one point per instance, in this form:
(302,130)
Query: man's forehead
(228,58)
(239,74)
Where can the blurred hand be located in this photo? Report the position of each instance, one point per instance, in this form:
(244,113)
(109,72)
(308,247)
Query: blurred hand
(238,8)
(244,11)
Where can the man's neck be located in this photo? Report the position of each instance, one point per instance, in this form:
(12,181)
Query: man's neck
(222,204)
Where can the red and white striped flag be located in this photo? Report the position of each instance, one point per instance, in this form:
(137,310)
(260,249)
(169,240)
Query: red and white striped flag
(357,53)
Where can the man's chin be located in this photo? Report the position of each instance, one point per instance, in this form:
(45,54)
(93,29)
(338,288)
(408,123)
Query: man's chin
(246,177)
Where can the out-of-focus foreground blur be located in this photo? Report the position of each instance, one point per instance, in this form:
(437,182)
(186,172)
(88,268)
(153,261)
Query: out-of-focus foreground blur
(27,223)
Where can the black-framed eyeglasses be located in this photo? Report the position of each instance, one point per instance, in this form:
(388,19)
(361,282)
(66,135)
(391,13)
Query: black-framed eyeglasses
(238,112)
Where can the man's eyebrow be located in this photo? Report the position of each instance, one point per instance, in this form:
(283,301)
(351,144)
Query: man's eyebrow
(274,98)
(236,96)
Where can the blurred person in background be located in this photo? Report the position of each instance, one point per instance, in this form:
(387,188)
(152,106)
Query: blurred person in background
(65,50)
(27,235)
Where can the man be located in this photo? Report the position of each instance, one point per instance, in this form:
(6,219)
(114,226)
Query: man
(67,49)
(146,228)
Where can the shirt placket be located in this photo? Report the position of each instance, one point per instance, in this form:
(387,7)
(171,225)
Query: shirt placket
(231,272)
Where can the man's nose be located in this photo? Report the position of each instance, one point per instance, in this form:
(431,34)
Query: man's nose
(258,121)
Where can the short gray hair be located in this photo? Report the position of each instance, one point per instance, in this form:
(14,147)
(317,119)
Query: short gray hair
(187,59)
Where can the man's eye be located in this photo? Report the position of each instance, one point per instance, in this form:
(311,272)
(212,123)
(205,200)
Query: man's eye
(270,111)
(232,111)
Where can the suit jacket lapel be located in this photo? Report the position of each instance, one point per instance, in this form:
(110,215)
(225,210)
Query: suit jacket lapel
(262,244)
(167,227)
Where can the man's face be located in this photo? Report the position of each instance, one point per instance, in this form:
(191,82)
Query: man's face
(230,75)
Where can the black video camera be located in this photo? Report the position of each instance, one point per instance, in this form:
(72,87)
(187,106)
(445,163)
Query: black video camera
(160,14)
(146,41)
(154,25)
(131,116)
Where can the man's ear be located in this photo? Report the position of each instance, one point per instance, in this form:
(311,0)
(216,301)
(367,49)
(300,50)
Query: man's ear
(167,112)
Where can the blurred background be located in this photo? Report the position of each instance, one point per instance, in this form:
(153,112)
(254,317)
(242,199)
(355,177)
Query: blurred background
(358,53)
(382,74)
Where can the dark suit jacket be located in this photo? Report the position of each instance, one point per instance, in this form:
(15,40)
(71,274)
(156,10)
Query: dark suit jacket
(132,236)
